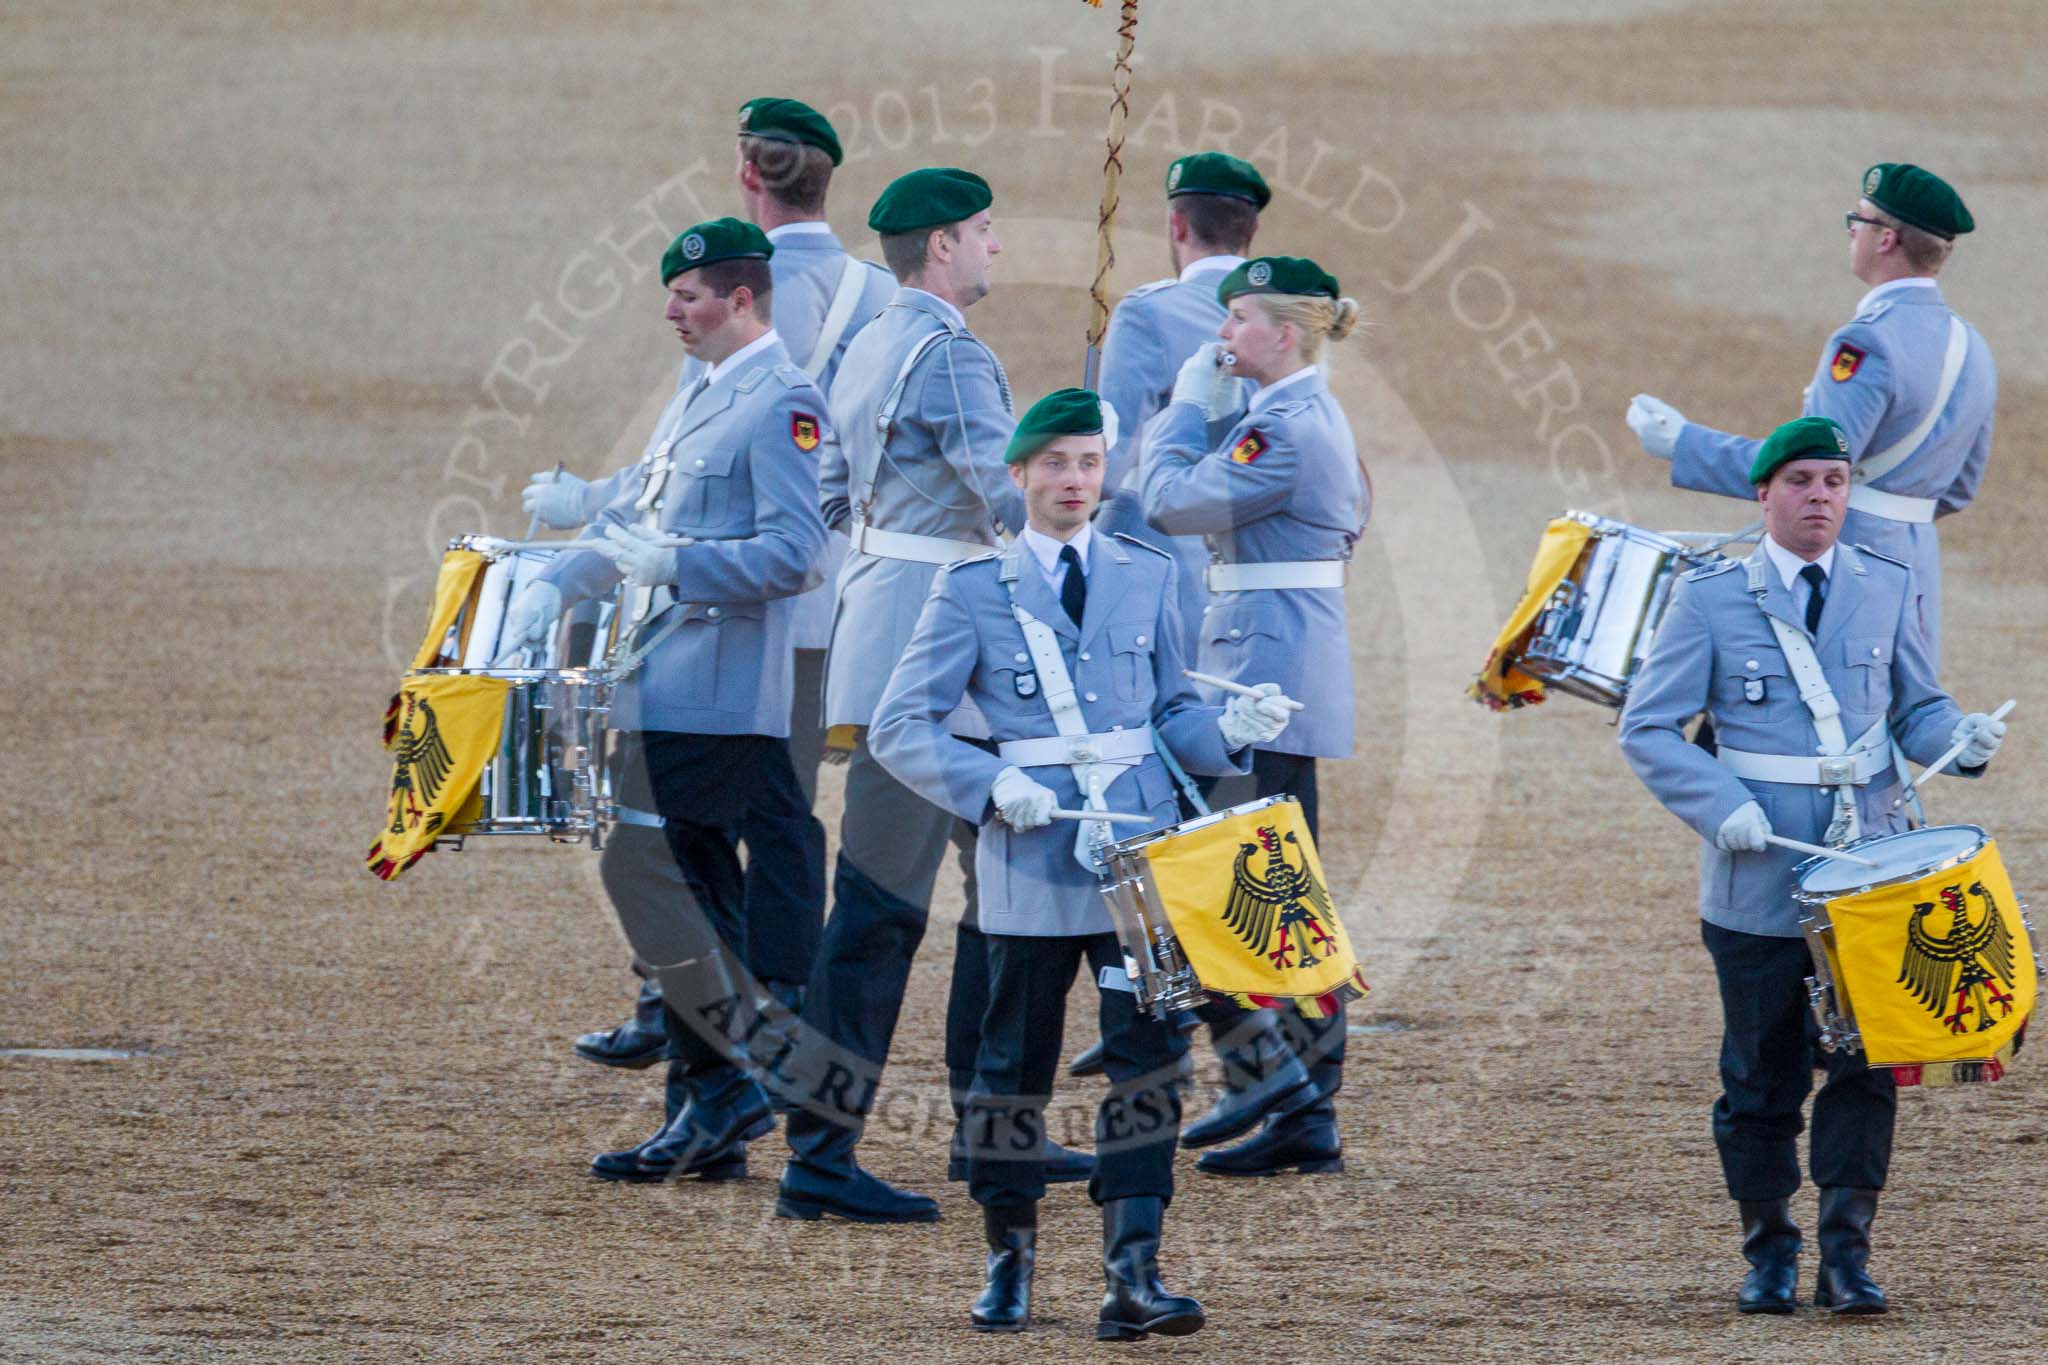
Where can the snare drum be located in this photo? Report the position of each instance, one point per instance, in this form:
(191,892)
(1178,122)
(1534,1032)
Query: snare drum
(549,774)
(472,641)
(1231,904)
(1595,631)
(1925,964)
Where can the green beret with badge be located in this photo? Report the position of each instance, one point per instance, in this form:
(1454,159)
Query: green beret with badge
(721,239)
(1277,275)
(1804,438)
(1063,412)
(1218,173)
(935,196)
(1918,198)
(786,120)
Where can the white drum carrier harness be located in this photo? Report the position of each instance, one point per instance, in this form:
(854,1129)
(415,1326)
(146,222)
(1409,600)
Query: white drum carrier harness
(1096,760)
(1841,766)
(845,299)
(1896,506)
(865,466)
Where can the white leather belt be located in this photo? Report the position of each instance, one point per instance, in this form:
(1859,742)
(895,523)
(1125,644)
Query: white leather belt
(1856,767)
(1299,573)
(1891,506)
(882,544)
(1071,749)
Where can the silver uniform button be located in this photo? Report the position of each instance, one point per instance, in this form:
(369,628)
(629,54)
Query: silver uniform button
(1091,696)
(1086,657)
(1235,633)
(1876,652)
(1752,664)
(700,464)
(1141,639)
(1023,658)
(711,612)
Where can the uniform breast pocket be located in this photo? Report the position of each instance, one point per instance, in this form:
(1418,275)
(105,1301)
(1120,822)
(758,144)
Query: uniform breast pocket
(1243,632)
(733,653)
(1869,660)
(1756,685)
(703,497)
(1130,647)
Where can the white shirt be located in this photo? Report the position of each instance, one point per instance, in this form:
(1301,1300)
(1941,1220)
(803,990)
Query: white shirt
(1046,551)
(1219,264)
(816,227)
(754,347)
(945,309)
(1893,287)
(1264,396)
(1788,566)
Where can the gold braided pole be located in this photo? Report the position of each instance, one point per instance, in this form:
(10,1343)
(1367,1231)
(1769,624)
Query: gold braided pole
(1112,171)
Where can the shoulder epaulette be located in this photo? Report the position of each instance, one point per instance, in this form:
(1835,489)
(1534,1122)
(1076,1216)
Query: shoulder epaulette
(751,380)
(986,557)
(1127,538)
(1868,553)
(1874,312)
(1718,566)
(1140,291)
(792,376)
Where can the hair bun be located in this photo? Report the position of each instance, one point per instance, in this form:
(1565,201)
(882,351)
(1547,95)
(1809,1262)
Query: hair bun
(1345,319)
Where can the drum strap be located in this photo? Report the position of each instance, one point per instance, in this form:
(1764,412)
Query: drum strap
(1056,685)
(1907,446)
(1820,703)
(844,300)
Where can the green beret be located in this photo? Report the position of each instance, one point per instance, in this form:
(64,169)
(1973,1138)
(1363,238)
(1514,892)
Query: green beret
(1063,412)
(1277,275)
(1217,173)
(929,198)
(1920,198)
(721,239)
(781,120)
(1807,438)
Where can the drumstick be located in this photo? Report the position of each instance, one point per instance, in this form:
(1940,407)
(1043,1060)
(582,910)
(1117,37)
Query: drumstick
(533,527)
(1931,769)
(1782,842)
(1114,817)
(1239,688)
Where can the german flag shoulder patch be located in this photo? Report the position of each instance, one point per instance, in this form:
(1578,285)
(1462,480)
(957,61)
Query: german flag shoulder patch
(1846,362)
(1250,448)
(803,431)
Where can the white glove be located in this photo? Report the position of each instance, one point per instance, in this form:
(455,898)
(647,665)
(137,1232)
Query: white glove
(1204,381)
(1984,735)
(641,562)
(1254,720)
(1022,803)
(556,497)
(1744,830)
(528,619)
(1656,424)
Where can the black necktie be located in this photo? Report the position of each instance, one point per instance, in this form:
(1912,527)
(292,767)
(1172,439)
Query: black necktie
(1074,587)
(1816,595)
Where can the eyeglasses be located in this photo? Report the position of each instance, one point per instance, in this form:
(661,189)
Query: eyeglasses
(1850,220)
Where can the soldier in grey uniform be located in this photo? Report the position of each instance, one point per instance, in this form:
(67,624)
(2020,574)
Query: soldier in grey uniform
(919,484)
(1280,499)
(713,540)
(1213,202)
(1068,643)
(1736,642)
(823,297)
(1911,383)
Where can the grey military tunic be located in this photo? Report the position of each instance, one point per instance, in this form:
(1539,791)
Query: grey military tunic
(745,488)
(938,473)
(1154,329)
(1125,661)
(1715,652)
(1877,377)
(1283,486)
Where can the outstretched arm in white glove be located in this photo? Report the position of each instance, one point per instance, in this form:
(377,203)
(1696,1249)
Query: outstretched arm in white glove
(1023,803)
(1257,719)
(556,497)
(1204,381)
(1744,830)
(641,561)
(1983,734)
(1656,424)
(528,620)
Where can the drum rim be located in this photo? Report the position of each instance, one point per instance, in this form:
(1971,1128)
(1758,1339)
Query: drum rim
(582,677)
(1822,898)
(1137,843)
(1629,531)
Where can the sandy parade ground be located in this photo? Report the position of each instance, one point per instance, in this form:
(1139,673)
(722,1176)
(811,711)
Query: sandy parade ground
(289,297)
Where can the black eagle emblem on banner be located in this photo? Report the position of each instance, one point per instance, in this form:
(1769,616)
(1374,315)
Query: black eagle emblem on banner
(1286,897)
(1963,970)
(423,765)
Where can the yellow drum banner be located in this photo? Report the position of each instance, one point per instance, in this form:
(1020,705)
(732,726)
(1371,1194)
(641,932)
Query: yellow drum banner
(460,570)
(1501,684)
(1249,904)
(1937,970)
(447,733)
